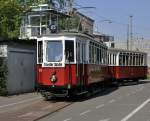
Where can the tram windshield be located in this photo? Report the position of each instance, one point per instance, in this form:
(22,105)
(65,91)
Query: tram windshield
(54,51)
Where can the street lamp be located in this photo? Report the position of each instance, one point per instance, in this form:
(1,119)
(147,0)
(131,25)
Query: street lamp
(89,7)
(105,20)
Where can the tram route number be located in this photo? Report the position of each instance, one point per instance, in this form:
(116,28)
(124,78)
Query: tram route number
(52,64)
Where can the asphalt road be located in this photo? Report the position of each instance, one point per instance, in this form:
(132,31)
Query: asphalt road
(127,103)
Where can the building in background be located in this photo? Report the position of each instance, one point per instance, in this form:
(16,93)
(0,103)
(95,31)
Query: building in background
(107,39)
(45,19)
(86,24)
(42,19)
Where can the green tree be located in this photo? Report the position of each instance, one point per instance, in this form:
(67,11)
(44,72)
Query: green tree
(10,18)
(11,12)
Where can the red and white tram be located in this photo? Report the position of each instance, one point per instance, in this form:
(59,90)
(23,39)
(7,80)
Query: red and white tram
(70,63)
(127,65)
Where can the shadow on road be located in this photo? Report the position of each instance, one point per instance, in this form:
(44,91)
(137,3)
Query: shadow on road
(130,83)
(104,92)
(84,97)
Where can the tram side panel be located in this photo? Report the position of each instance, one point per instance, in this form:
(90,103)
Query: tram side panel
(130,72)
(96,73)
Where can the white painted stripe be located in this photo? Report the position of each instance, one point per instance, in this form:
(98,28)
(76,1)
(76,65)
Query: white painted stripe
(133,92)
(119,97)
(25,115)
(140,89)
(111,101)
(100,106)
(105,119)
(85,112)
(20,102)
(136,110)
(68,119)
(128,94)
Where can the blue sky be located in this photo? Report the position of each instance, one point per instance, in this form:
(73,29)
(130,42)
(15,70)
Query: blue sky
(118,11)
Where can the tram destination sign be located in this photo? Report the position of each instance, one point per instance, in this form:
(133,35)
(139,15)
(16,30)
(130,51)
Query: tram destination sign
(3,51)
(53,65)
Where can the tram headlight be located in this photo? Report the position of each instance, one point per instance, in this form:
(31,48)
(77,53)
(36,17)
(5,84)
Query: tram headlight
(53,79)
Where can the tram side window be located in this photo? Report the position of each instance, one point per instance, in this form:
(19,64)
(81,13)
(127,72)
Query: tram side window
(134,59)
(141,60)
(69,50)
(40,52)
(100,52)
(97,55)
(90,54)
(109,58)
(105,56)
(93,53)
(131,59)
(78,52)
(120,59)
(114,59)
(145,61)
(102,55)
(124,60)
(84,52)
(127,59)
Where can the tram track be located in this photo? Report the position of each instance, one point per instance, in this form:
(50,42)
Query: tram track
(32,110)
(57,110)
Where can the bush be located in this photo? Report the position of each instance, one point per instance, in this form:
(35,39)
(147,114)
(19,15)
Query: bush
(3,76)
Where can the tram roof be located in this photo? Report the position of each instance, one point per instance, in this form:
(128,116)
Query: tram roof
(68,34)
(125,50)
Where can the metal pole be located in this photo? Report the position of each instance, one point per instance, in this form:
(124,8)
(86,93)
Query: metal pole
(131,33)
(127,36)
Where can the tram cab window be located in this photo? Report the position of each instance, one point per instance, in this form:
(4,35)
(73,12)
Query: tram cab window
(69,50)
(40,52)
(54,51)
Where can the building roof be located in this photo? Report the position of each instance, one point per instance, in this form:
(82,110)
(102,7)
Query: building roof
(61,14)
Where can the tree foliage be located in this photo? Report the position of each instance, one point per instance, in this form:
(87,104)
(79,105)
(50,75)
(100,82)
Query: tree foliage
(11,12)
(10,18)
(3,76)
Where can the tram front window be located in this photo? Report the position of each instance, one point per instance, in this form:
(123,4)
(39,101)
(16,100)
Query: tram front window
(54,51)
